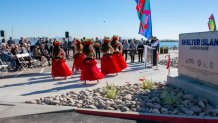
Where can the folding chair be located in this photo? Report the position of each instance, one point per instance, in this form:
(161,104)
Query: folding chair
(3,68)
(34,62)
(23,63)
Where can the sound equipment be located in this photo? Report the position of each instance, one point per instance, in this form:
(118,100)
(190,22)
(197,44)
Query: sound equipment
(66,34)
(2,33)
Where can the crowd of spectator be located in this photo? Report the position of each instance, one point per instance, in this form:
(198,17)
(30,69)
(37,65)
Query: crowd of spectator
(42,49)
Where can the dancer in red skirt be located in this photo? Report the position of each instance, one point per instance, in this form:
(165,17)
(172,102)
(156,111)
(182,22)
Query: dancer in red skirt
(79,56)
(89,69)
(117,52)
(108,61)
(59,67)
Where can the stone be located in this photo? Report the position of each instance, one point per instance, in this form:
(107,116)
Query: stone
(188,96)
(150,105)
(97,94)
(101,105)
(128,97)
(202,114)
(110,108)
(186,111)
(124,109)
(201,104)
(86,93)
(92,107)
(196,109)
(164,110)
(118,101)
(155,111)
(157,106)
(55,102)
(144,110)
(174,111)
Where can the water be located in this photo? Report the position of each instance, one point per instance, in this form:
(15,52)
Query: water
(169,44)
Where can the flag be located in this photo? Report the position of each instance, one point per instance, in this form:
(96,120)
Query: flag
(212,23)
(144,14)
(168,62)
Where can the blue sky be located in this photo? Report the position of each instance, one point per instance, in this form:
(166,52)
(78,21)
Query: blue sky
(86,17)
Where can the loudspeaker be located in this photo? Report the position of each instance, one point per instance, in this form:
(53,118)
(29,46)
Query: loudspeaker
(66,34)
(2,34)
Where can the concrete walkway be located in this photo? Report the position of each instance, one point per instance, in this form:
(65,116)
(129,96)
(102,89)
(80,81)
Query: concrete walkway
(36,83)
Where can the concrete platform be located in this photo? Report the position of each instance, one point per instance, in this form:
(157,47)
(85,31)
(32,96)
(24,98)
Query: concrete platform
(19,109)
(194,87)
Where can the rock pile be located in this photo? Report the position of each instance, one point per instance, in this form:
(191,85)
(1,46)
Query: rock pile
(162,99)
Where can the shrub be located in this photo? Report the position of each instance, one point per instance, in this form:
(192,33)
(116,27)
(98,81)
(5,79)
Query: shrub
(110,91)
(147,84)
(168,98)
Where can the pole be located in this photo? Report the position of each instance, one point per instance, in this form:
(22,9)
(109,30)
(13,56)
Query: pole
(12,32)
(145,55)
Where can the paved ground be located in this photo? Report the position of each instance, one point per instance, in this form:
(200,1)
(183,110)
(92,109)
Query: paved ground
(70,117)
(37,82)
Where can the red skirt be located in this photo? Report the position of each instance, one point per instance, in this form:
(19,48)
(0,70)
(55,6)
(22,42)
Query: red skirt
(109,65)
(90,71)
(78,60)
(120,60)
(60,69)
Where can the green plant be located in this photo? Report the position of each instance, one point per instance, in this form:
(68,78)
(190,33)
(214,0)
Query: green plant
(147,84)
(168,98)
(110,91)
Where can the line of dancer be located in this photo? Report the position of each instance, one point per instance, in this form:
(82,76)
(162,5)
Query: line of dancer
(112,61)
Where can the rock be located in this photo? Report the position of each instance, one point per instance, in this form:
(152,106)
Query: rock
(188,96)
(124,109)
(87,93)
(101,105)
(174,112)
(92,107)
(186,102)
(196,109)
(55,102)
(128,97)
(133,109)
(97,94)
(155,111)
(157,106)
(164,110)
(201,104)
(110,108)
(144,110)
(186,111)
(150,105)
(202,114)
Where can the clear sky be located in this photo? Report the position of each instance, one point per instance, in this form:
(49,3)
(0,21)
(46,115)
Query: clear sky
(33,18)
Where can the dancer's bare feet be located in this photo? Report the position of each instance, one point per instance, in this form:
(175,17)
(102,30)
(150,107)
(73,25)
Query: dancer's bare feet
(85,82)
(97,81)
(116,74)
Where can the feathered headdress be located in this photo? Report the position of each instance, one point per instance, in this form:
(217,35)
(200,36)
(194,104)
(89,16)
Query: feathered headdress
(107,40)
(78,41)
(57,43)
(115,37)
(88,42)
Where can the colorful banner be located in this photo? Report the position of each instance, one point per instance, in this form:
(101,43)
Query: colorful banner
(144,14)
(212,23)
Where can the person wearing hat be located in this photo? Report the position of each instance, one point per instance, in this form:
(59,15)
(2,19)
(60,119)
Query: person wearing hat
(155,49)
(117,52)
(79,56)
(89,71)
(59,67)
(108,61)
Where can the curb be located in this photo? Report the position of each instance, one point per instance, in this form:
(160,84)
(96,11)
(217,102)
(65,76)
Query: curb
(148,116)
